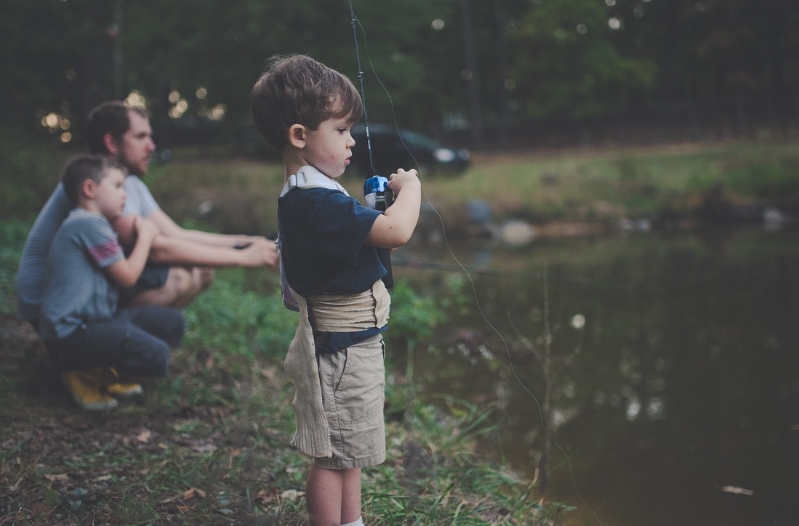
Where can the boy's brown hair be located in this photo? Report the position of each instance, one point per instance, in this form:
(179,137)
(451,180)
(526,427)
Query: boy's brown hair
(297,89)
(83,167)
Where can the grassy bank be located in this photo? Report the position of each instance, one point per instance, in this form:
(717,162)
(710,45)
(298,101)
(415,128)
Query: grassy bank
(210,444)
(666,185)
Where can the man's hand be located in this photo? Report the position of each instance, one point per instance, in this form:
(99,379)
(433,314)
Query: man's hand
(260,252)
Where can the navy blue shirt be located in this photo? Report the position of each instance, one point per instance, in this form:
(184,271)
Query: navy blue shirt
(323,234)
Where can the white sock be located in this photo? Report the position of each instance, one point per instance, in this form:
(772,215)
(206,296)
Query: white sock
(359,522)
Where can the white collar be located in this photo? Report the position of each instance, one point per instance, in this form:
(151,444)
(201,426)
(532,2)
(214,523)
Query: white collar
(310,177)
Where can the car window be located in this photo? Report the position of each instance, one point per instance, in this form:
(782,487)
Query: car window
(417,139)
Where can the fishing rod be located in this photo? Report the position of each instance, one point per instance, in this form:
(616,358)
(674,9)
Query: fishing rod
(375,183)
(376,192)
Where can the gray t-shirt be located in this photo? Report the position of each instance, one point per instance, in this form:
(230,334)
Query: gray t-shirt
(76,289)
(30,275)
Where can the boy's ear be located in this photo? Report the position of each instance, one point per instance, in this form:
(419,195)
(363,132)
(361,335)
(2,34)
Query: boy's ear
(110,144)
(297,135)
(87,189)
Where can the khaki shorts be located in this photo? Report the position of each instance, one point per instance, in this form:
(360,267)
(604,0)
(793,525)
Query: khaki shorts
(353,383)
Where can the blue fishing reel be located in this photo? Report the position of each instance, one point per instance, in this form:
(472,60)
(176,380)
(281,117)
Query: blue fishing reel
(377,193)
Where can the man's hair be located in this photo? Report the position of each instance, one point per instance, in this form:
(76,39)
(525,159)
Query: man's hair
(83,167)
(109,117)
(297,89)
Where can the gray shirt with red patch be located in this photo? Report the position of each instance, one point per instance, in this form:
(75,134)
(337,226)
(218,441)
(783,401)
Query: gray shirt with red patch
(30,276)
(76,289)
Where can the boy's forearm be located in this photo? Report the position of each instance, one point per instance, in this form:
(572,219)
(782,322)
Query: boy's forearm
(395,227)
(404,213)
(127,271)
(138,258)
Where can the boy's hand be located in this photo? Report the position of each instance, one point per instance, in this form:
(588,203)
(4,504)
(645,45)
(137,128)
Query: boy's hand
(145,228)
(402,178)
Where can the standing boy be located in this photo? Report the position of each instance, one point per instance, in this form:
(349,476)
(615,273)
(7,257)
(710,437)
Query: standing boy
(93,344)
(328,244)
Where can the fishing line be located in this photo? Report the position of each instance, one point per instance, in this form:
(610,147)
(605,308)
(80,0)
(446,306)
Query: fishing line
(354,19)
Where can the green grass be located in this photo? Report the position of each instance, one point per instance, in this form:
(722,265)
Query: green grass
(576,185)
(600,186)
(209,445)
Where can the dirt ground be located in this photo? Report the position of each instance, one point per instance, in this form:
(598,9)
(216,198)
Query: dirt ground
(131,465)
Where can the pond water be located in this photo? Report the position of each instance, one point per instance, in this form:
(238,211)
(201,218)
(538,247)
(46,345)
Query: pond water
(674,369)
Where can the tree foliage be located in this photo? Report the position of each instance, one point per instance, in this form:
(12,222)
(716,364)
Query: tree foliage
(568,58)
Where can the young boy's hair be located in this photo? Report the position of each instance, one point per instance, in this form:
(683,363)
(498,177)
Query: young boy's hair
(109,117)
(83,167)
(297,89)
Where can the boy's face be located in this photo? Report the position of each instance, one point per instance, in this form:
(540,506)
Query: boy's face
(109,194)
(136,145)
(328,148)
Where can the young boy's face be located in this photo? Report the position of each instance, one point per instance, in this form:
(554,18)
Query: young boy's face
(328,148)
(110,194)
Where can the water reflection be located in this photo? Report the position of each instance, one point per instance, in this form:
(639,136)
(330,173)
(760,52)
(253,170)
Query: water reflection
(681,406)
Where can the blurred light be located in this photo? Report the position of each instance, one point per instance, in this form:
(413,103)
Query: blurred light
(444,155)
(201,93)
(638,12)
(179,108)
(437,24)
(70,74)
(610,3)
(397,56)
(510,84)
(65,124)
(467,74)
(174,96)
(51,121)
(578,321)
(66,137)
(217,113)
(582,29)
(136,100)
(614,23)
(633,409)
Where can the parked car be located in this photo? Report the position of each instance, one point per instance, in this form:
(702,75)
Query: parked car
(406,149)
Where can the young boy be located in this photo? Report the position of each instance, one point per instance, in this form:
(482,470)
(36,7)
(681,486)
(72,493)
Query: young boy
(328,244)
(92,344)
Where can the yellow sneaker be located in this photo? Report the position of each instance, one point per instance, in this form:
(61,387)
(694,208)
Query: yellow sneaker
(84,386)
(122,389)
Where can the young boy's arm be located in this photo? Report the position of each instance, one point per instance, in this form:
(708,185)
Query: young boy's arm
(395,226)
(125,272)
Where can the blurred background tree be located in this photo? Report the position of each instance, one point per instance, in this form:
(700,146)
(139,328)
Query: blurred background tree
(542,71)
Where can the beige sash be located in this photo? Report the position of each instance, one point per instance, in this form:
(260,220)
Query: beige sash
(351,312)
(331,313)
